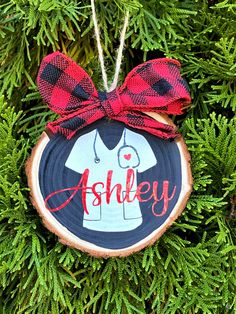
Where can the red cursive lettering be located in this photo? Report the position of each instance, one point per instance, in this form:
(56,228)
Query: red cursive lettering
(110,190)
(143,189)
(164,196)
(82,185)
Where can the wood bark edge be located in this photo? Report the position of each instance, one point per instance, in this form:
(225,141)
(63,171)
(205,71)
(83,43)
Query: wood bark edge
(100,252)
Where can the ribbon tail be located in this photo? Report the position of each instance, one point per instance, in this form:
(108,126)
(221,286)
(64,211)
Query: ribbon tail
(146,123)
(71,124)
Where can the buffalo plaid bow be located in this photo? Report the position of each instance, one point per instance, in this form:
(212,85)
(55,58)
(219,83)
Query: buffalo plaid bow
(154,86)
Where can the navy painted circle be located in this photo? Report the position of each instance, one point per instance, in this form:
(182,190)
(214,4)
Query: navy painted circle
(54,176)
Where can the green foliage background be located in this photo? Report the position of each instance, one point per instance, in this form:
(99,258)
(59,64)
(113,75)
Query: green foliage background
(191,269)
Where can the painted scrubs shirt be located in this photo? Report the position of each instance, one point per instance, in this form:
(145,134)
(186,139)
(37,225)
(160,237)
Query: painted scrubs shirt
(90,152)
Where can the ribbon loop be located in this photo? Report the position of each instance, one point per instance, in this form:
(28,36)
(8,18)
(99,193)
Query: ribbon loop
(154,86)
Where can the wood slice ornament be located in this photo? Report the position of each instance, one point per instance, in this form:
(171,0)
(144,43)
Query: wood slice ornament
(112,173)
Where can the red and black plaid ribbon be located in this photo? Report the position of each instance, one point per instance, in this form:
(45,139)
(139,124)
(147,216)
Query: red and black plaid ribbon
(154,86)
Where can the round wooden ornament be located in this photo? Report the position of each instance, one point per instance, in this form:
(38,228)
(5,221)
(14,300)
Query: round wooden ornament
(103,185)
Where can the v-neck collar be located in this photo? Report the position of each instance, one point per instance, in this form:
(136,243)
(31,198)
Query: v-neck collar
(102,142)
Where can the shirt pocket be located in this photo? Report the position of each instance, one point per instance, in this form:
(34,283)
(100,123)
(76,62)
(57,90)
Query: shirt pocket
(131,210)
(94,211)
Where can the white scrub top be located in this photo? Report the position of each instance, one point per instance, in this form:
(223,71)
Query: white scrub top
(136,154)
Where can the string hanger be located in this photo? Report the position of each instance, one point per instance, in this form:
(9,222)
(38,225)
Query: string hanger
(100,51)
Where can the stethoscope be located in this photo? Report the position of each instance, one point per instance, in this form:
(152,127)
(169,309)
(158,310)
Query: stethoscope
(121,152)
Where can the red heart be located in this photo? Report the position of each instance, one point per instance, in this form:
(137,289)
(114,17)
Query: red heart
(127,157)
